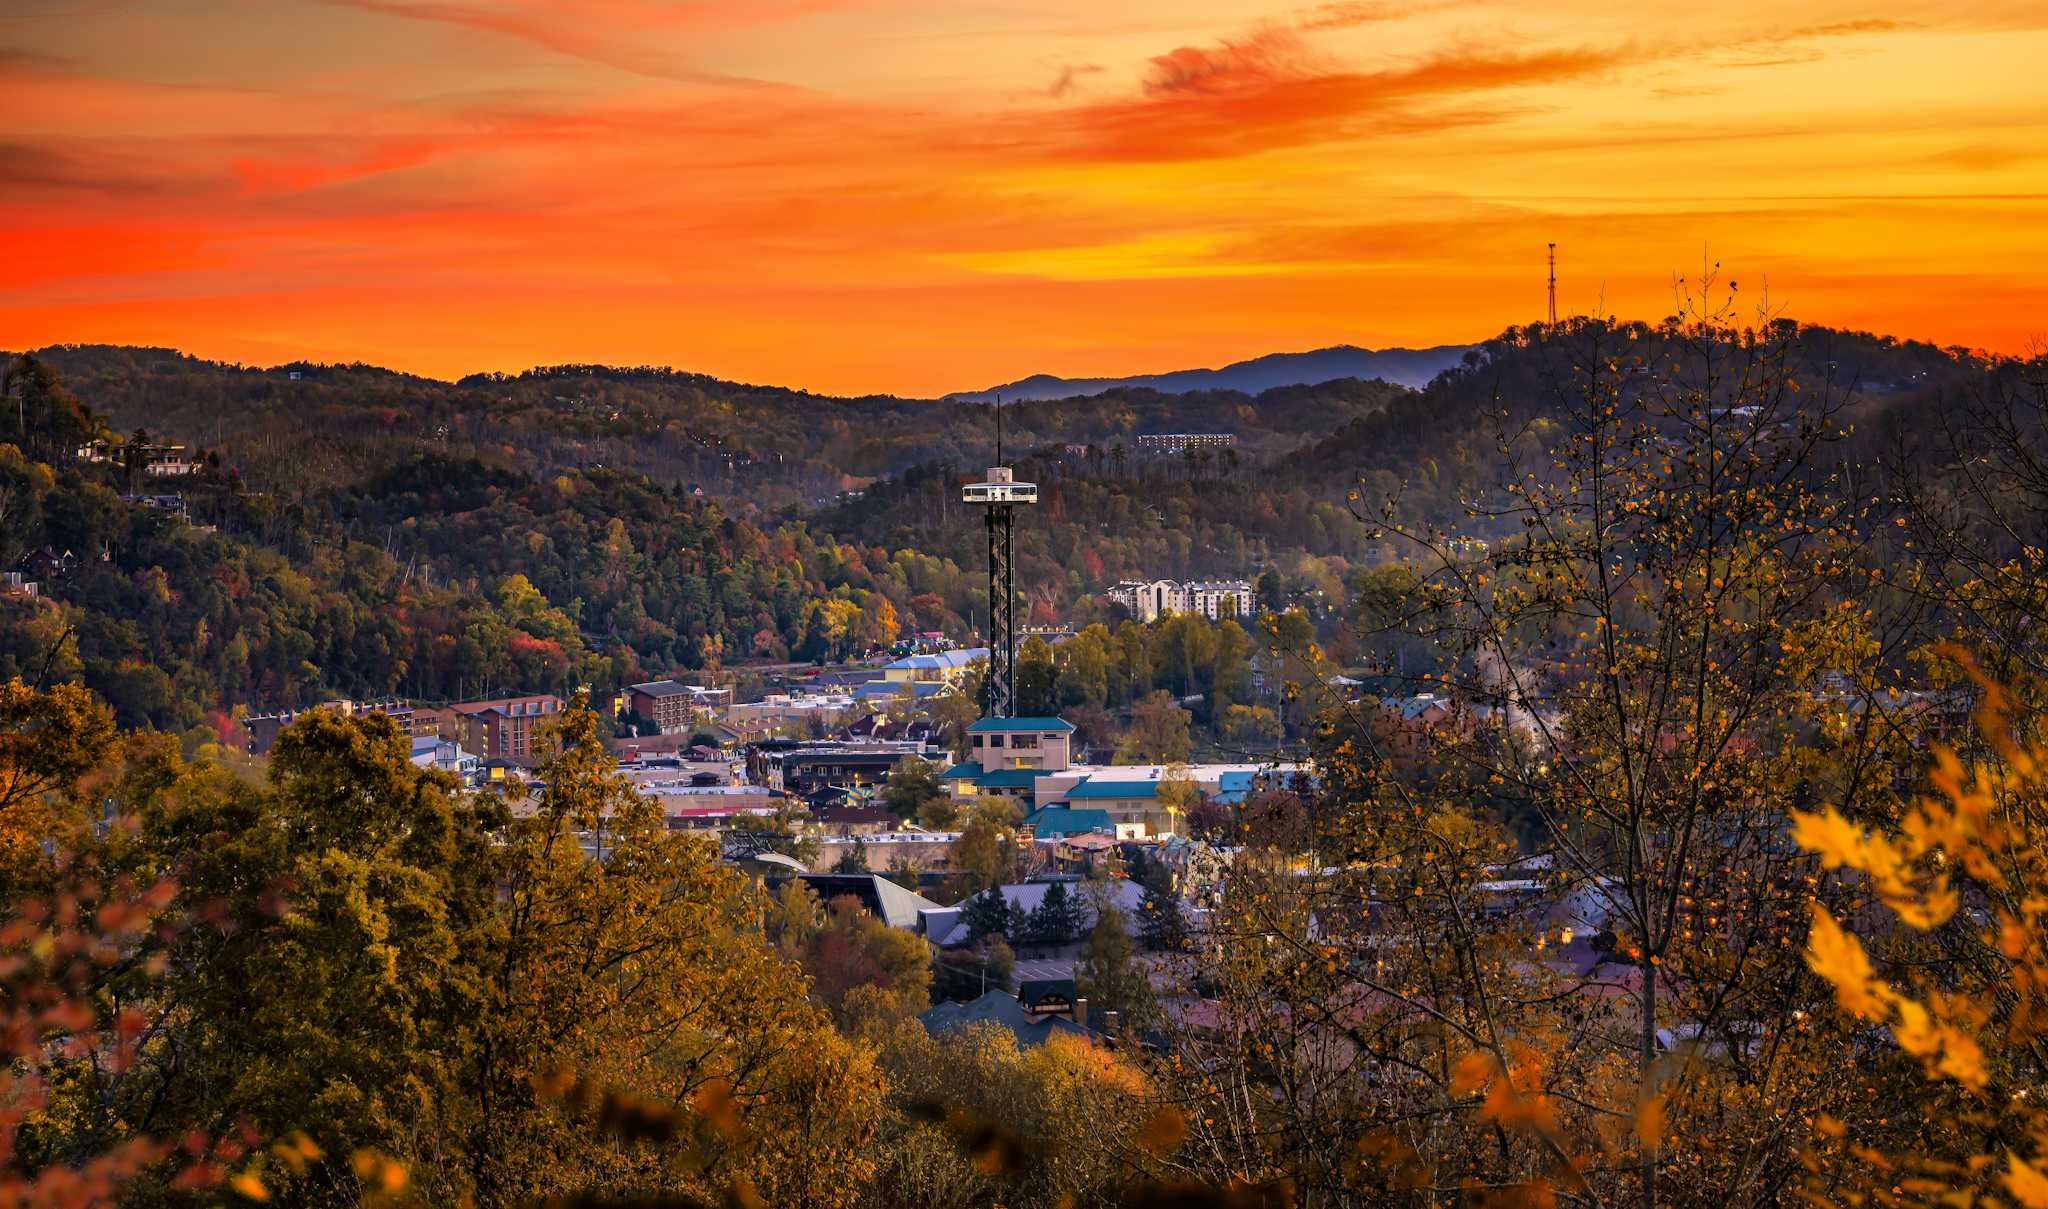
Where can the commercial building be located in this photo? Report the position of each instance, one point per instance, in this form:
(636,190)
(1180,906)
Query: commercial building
(264,728)
(935,667)
(803,768)
(503,728)
(1212,598)
(674,707)
(1181,442)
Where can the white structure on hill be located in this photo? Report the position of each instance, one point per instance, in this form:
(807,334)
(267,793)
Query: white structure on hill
(1212,598)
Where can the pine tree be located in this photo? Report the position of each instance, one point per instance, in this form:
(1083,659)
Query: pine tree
(1159,918)
(1109,974)
(1056,920)
(988,914)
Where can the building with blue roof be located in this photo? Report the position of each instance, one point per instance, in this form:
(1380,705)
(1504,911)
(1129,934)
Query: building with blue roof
(938,667)
(1038,744)
(1056,822)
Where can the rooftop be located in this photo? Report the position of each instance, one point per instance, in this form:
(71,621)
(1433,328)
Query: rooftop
(891,903)
(1000,1008)
(1122,787)
(942,659)
(661,688)
(1061,821)
(992,725)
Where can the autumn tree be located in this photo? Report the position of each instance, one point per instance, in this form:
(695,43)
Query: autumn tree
(659,940)
(989,964)
(1952,968)
(1658,610)
(49,739)
(1157,732)
(1672,577)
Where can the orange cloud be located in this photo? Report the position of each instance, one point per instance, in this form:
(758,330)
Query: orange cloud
(935,196)
(1273,90)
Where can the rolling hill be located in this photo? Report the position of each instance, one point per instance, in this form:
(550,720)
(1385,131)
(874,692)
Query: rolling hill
(1412,367)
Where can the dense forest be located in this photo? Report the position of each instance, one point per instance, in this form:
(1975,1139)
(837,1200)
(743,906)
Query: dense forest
(354,531)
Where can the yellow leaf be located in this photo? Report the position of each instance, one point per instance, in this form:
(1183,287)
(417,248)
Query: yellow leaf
(1838,841)
(2026,1182)
(248,1186)
(1163,1131)
(1650,1121)
(1838,957)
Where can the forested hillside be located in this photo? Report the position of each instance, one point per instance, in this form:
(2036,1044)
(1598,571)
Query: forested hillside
(360,532)
(301,426)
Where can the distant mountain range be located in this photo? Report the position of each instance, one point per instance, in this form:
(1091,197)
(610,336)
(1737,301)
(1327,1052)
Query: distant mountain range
(1406,366)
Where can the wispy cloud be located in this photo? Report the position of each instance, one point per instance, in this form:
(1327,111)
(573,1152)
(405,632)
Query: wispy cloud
(621,34)
(1272,89)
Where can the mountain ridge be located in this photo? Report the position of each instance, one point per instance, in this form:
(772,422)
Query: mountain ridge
(1410,367)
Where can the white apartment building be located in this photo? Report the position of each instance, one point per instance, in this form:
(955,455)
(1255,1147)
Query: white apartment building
(1181,442)
(1212,598)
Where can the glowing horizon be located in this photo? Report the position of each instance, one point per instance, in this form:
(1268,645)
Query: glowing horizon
(917,197)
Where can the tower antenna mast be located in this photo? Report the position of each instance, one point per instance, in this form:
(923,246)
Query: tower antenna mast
(1553,285)
(998,495)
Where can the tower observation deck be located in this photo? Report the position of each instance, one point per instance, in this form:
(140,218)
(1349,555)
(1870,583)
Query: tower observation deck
(998,494)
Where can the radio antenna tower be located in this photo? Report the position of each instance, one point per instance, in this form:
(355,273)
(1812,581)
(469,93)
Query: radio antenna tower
(998,495)
(1553,285)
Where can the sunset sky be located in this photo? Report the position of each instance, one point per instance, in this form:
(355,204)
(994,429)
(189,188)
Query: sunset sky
(928,195)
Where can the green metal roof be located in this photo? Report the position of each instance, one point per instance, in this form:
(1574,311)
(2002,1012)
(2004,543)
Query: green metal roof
(1058,820)
(986,725)
(1093,788)
(961,772)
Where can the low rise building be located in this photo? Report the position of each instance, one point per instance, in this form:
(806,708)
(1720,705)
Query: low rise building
(264,728)
(803,767)
(1181,442)
(445,755)
(502,728)
(1212,598)
(933,667)
(674,707)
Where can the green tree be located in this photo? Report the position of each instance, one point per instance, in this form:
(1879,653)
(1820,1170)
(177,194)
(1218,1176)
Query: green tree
(1110,975)
(988,914)
(911,784)
(1158,733)
(1055,920)
(49,739)
(988,965)
(333,984)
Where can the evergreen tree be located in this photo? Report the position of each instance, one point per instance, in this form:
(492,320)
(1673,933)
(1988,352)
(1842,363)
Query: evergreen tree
(1159,918)
(1056,919)
(1109,975)
(988,914)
